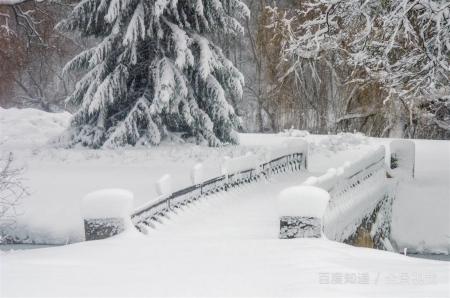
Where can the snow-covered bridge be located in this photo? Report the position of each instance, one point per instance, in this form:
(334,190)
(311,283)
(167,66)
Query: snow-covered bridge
(358,213)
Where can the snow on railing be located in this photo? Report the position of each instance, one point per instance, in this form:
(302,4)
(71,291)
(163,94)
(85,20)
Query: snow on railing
(291,155)
(355,191)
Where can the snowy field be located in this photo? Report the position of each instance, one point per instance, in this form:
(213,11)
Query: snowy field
(225,245)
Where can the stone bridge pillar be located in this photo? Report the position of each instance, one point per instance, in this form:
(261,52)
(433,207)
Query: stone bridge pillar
(301,210)
(106,213)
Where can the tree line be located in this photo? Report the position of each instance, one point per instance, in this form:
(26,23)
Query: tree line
(378,67)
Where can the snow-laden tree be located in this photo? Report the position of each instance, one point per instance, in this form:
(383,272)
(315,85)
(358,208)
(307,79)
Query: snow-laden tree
(154,72)
(402,44)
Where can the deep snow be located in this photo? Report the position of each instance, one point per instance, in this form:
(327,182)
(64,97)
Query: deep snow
(222,245)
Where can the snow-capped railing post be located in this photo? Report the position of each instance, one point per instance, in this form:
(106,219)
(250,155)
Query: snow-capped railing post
(106,213)
(196,175)
(403,156)
(163,188)
(301,210)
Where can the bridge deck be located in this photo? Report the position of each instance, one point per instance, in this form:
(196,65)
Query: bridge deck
(246,212)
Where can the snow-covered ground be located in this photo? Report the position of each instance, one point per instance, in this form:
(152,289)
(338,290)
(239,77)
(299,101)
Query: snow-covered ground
(225,245)
(27,128)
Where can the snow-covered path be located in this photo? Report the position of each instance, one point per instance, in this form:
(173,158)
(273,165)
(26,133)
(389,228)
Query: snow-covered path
(224,245)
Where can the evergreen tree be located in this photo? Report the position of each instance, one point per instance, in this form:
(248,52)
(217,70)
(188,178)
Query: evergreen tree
(155,71)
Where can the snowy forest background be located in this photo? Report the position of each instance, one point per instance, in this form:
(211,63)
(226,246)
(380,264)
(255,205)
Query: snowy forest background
(377,67)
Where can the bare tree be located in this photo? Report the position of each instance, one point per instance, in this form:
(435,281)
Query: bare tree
(12,191)
(33,53)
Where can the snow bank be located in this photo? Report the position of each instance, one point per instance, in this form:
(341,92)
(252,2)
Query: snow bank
(235,165)
(163,186)
(303,201)
(197,174)
(29,127)
(107,203)
(288,147)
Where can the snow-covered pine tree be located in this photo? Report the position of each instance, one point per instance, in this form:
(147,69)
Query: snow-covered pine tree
(154,72)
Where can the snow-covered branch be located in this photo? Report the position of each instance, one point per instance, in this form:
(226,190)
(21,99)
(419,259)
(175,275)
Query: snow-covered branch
(403,43)
(17,2)
(156,70)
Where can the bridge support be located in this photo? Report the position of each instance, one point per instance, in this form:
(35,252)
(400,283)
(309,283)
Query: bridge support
(301,210)
(102,228)
(106,213)
(374,230)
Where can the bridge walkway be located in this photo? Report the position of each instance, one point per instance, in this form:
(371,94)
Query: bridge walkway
(248,211)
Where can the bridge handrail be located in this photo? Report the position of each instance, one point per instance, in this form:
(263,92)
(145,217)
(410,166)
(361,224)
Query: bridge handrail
(250,171)
(349,170)
(355,190)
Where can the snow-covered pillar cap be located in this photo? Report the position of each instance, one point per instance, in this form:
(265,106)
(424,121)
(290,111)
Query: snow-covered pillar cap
(106,213)
(301,210)
(107,203)
(403,154)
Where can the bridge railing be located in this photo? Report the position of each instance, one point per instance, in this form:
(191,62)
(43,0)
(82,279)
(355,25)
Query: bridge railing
(360,196)
(235,172)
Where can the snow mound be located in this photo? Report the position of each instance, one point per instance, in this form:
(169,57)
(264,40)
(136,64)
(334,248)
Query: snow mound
(303,201)
(29,127)
(107,203)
